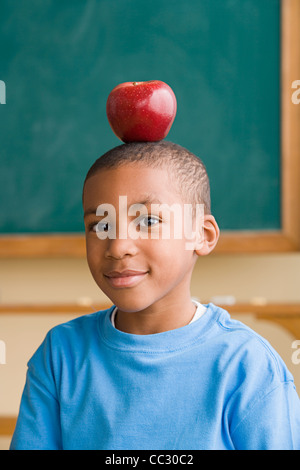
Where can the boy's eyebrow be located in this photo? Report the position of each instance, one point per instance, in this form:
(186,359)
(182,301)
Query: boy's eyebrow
(89,211)
(146,200)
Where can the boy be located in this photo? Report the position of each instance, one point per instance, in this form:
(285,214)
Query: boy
(157,370)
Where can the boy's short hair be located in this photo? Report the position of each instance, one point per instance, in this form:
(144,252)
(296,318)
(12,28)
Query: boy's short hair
(185,169)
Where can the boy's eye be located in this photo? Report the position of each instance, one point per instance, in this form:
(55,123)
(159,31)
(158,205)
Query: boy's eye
(102,227)
(148,221)
(99,227)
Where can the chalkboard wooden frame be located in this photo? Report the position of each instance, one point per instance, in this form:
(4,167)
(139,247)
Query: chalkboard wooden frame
(285,240)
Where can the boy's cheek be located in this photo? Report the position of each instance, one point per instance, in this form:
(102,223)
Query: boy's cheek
(93,256)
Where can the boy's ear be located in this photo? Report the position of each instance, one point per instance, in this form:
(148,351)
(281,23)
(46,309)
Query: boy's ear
(208,236)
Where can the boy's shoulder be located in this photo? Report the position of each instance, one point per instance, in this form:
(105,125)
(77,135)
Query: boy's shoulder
(79,325)
(250,347)
(72,335)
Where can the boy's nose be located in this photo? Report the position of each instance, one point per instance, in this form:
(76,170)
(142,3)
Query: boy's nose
(119,248)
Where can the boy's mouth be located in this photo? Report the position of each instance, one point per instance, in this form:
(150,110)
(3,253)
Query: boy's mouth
(126,278)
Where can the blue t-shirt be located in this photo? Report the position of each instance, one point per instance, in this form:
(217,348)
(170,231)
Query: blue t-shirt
(213,384)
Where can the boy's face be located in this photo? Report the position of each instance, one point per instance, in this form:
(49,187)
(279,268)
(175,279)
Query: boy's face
(160,266)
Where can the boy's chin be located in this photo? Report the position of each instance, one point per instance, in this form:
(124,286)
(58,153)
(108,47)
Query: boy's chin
(131,305)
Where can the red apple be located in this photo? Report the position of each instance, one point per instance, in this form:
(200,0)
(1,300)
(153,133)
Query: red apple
(141,111)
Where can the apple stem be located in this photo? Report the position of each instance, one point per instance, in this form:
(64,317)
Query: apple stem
(133,83)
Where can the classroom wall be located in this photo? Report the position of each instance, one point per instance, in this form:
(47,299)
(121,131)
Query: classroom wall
(273,277)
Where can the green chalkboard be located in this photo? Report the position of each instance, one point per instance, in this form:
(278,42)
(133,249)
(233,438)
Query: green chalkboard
(60,60)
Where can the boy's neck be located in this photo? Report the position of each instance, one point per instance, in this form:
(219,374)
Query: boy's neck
(156,318)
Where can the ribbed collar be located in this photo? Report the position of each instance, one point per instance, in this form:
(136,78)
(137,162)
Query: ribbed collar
(165,342)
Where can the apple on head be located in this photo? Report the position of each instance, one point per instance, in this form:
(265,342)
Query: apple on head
(141,111)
